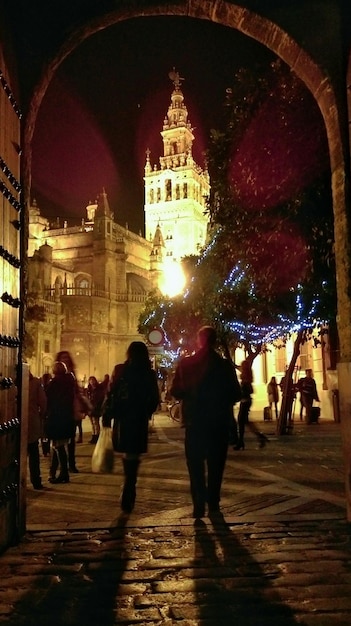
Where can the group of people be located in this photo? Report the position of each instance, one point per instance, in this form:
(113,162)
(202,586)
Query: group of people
(56,407)
(307,388)
(205,383)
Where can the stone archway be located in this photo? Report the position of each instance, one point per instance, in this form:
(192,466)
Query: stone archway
(284,46)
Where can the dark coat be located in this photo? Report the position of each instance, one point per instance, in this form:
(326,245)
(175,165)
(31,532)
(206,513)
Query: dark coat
(308,388)
(130,402)
(60,407)
(96,396)
(208,387)
(273,392)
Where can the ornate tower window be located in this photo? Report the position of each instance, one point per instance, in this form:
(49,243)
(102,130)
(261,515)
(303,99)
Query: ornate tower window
(168,189)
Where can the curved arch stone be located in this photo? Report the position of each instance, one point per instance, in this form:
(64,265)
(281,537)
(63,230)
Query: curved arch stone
(279,41)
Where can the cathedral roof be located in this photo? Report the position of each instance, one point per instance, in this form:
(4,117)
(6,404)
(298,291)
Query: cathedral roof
(103,207)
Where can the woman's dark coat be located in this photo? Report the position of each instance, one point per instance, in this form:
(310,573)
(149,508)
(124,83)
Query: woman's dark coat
(131,415)
(60,407)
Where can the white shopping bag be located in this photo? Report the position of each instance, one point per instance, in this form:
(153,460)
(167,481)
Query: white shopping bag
(103,455)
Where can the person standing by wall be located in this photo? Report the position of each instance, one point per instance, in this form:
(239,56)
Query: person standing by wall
(36,415)
(131,400)
(308,393)
(207,385)
(273,395)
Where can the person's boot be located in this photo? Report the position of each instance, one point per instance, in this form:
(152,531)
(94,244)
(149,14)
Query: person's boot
(240,445)
(63,476)
(130,467)
(53,465)
(72,456)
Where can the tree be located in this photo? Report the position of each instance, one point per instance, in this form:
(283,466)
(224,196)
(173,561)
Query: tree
(271,199)
(268,269)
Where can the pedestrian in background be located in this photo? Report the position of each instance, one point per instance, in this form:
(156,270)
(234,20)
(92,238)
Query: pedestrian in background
(207,385)
(60,419)
(36,415)
(45,441)
(96,395)
(308,393)
(245,405)
(130,402)
(273,395)
(79,411)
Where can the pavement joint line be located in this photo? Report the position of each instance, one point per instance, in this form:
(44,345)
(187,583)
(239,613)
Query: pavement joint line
(283,482)
(185,519)
(295,487)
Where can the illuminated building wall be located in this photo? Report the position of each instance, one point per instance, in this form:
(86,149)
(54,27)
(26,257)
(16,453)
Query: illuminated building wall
(91,280)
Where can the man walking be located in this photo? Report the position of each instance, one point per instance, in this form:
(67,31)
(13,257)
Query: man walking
(208,387)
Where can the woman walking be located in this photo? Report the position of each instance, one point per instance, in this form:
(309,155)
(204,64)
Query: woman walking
(132,398)
(79,410)
(244,410)
(60,419)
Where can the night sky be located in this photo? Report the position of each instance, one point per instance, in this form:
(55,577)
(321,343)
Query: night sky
(107,103)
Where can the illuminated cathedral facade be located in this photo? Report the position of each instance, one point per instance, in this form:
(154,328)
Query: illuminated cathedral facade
(87,283)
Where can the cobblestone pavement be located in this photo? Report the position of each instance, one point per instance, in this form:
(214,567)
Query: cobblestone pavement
(279,554)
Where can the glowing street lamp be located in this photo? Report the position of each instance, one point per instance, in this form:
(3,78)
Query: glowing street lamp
(173,282)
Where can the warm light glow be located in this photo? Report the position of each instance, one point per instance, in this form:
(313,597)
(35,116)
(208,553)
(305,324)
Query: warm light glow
(173,281)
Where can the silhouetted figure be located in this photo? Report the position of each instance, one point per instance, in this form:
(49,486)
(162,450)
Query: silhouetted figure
(245,405)
(273,395)
(308,390)
(60,419)
(208,387)
(36,415)
(131,400)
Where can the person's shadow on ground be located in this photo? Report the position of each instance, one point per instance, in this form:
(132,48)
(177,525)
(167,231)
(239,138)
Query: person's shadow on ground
(241,592)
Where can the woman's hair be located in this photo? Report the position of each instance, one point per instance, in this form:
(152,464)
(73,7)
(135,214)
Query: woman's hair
(93,379)
(59,368)
(65,357)
(137,354)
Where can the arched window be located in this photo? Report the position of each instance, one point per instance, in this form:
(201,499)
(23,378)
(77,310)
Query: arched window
(82,287)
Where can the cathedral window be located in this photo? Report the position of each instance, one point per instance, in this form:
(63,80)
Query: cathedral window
(158,194)
(177,192)
(46,345)
(185,190)
(151,196)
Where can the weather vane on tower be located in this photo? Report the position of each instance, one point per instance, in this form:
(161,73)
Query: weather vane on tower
(175,78)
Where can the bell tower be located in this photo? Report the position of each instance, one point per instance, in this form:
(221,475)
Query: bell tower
(176,190)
